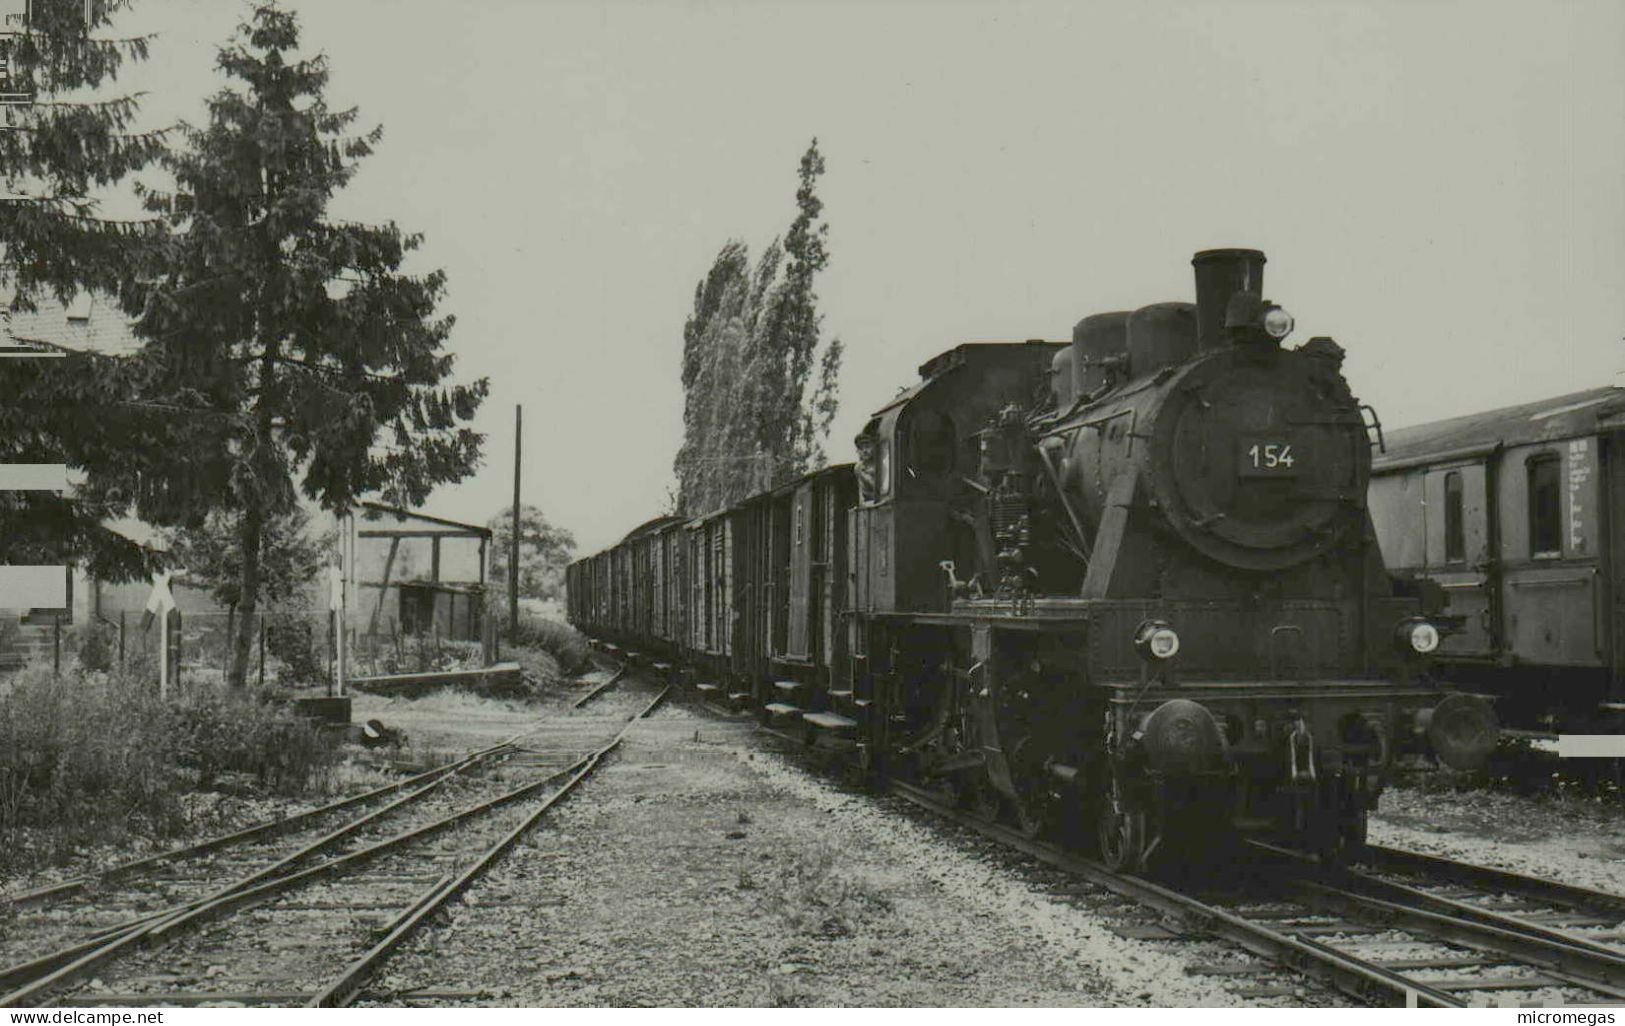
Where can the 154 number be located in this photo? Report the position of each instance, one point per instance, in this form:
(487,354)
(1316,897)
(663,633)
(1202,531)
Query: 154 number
(1270,456)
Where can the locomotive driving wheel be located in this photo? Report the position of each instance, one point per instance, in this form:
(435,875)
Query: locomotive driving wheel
(1122,838)
(1122,832)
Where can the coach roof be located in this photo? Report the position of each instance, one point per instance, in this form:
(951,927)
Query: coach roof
(1564,416)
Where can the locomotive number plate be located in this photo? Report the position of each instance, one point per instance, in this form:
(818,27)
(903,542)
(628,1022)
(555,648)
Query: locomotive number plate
(1268,457)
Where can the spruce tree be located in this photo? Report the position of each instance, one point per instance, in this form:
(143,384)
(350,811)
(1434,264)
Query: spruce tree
(318,364)
(56,153)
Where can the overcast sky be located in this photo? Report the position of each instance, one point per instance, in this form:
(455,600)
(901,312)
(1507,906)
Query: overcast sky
(1439,185)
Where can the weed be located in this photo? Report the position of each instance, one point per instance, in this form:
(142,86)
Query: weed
(92,757)
(812,893)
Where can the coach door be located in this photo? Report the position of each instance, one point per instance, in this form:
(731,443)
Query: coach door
(1549,545)
(1458,514)
(1612,458)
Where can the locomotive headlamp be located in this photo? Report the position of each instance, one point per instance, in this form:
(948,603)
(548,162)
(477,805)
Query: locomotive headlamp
(1277,322)
(1156,641)
(1417,635)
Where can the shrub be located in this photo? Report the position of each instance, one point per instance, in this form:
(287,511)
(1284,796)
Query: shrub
(222,731)
(292,641)
(98,645)
(559,640)
(95,756)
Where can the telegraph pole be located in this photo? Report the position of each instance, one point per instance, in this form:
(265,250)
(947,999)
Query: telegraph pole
(513,550)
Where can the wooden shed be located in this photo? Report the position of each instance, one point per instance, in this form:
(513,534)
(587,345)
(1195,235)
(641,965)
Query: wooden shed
(418,574)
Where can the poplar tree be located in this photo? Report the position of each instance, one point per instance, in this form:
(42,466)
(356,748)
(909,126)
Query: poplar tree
(56,154)
(754,415)
(316,364)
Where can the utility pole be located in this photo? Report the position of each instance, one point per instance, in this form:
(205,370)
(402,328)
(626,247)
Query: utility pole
(513,549)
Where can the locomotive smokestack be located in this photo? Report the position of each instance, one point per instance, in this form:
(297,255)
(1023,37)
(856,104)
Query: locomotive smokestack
(1220,274)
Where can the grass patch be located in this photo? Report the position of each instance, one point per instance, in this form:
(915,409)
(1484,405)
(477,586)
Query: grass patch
(96,757)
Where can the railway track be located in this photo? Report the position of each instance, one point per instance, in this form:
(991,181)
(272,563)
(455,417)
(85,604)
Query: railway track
(253,917)
(1414,930)
(1410,929)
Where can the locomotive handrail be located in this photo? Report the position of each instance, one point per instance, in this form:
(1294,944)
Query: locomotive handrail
(1375,423)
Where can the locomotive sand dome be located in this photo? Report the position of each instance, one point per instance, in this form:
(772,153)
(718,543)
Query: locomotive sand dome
(1125,589)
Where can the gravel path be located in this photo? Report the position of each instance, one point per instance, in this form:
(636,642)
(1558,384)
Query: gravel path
(699,869)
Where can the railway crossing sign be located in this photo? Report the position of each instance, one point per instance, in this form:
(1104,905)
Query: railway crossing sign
(160,606)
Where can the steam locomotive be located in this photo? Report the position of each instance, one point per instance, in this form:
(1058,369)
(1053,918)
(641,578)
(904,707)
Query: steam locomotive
(1125,591)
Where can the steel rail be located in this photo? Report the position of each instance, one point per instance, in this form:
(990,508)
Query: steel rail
(32,897)
(1610,962)
(64,966)
(1485,876)
(1348,973)
(614,679)
(234,898)
(343,990)
(24,972)
(1584,965)
(1561,957)
(269,827)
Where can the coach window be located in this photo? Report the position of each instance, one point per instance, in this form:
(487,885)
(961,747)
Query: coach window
(1455,534)
(1545,507)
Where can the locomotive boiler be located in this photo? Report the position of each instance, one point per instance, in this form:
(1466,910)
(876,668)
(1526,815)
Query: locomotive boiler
(1123,589)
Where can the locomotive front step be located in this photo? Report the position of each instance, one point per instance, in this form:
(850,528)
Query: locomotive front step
(833,722)
(775,711)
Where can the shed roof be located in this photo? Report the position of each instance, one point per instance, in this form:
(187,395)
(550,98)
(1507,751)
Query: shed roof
(1563,416)
(377,511)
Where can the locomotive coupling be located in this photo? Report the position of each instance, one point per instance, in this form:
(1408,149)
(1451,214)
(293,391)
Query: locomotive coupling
(1462,730)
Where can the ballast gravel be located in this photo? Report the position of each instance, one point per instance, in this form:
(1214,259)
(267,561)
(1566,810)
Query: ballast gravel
(1573,840)
(698,869)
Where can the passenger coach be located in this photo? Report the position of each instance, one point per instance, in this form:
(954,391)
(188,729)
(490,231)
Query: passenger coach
(1519,515)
